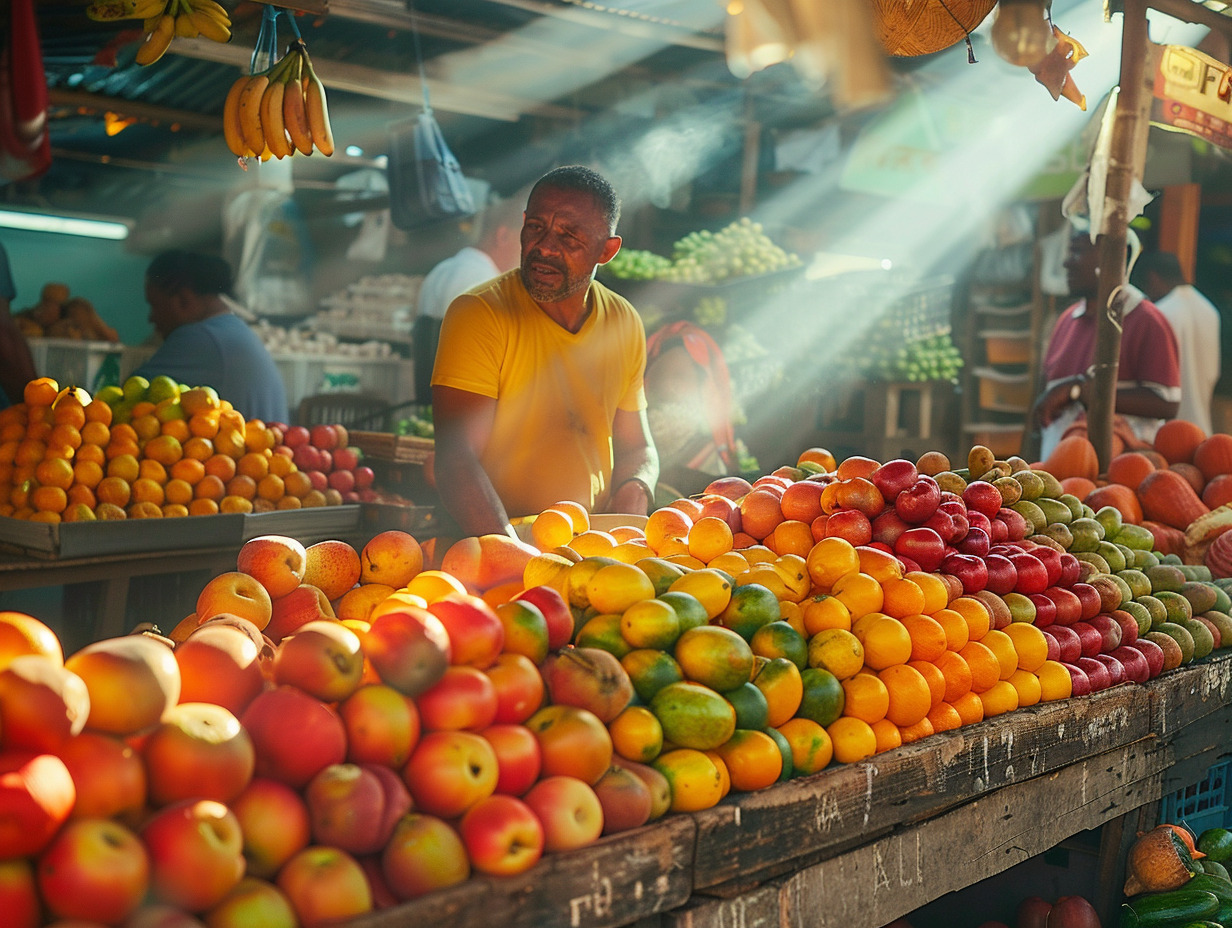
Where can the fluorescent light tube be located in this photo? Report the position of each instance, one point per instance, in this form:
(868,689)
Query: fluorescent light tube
(65,225)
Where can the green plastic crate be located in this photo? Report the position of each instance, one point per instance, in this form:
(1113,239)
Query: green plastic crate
(1203,805)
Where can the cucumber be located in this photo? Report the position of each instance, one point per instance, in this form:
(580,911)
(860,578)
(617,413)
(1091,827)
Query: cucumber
(1169,909)
(1220,888)
(1202,924)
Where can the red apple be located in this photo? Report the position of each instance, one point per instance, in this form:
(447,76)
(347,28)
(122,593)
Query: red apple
(518,757)
(1092,603)
(732,487)
(1097,673)
(892,477)
(983,497)
(323,658)
(274,820)
(1068,641)
(1081,683)
(19,898)
(304,604)
(305,458)
(476,635)
(1135,663)
(1032,574)
(503,837)
(721,507)
(854,526)
(969,569)
(346,459)
(922,545)
(364,477)
(108,774)
(1109,630)
(1128,625)
(450,771)
(1016,526)
(326,886)
(1153,653)
(1069,606)
(571,813)
(943,524)
(464,698)
(1071,570)
(382,726)
(36,796)
(1051,559)
(196,853)
(277,562)
(42,704)
(198,751)
(318,478)
(976,542)
(1072,910)
(356,807)
(1002,574)
(1116,670)
(555,610)
(323,436)
(295,735)
(1089,635)
(424,854)
(1045,610)
(94,870)
(409,649)
(887,527)
(625,798)
(919,501)
(341,480)
(978,520)
(295,436)
(519,688)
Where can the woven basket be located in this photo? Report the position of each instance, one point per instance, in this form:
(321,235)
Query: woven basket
(921,27)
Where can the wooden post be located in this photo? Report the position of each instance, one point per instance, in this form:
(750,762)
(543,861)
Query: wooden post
(1127,156)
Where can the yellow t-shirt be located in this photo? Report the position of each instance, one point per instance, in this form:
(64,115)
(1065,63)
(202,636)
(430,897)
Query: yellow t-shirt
(556,391)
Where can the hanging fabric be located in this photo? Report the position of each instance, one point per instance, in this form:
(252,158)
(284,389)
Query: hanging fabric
(25,143)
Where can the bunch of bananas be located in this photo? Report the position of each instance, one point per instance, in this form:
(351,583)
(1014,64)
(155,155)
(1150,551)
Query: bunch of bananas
(163,20)
(279,111)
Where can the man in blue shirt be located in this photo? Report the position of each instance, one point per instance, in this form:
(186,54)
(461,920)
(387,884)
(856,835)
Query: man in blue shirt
(204,342)
(16,362)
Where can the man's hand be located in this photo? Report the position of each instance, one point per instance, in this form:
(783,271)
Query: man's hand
(1052,401)
(631,497)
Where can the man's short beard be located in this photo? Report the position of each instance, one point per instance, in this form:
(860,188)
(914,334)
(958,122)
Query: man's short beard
(567,288)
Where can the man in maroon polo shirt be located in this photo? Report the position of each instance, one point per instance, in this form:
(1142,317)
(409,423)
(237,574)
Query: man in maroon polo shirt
(1148,377)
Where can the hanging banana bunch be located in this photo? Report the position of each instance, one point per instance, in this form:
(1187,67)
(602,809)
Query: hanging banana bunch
(163,20)
(279,111)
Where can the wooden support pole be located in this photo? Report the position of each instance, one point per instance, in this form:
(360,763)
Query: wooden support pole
(1126,159)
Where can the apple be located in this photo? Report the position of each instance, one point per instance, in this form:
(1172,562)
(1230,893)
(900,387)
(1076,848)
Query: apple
(573,742)
(887,527)
(1002,574)
(325,886)
(222,664)
(342,480)
(1068,642)
(462,699)
(294,436)
(323,658)
(892,477)
(1069,606)
(1110,632)
(526,629)
(277,562)
(1135,663)
(519,688)
(919,501)
(305,458)
(476,634)
(588,678)
(19,899)
(274,820)
(94,870)
(199,750)
(1032,574)
(409,649)
(1128,625)
(962,525)
(36,798)
(450,771)
(42,703)
(1089,635)
(555,611)
(908,564)
(1071,570)
(355,807)
(364,477)
(1116,670)
(723,508)
(382,726)
(977,519)
(943,524)
(324,437)
(196,852)
(569,810)
(304,604)
(975,541)
(502,835)
(346,459)
(732,487)
(1088,596)
(1051,559)
(1080,682)
(1045,610)
(1016,526)
(922,545)
(108,775)
(235,593)
(983,497)
(318,476)
(998,533)
(854,526)
(253,901)
(969,569)
(294,735)
(1098,675)
(518,758)
(1153,653)
(625,799)
(423,855)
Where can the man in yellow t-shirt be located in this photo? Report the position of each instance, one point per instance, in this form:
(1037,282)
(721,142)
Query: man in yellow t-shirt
(537,391)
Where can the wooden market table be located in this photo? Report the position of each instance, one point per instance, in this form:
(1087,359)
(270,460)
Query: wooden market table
(859,845)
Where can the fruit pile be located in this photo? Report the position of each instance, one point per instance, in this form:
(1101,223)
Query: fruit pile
(153,449)
(741,249)
(59,315)
(934,357)
(163,20)
(1175,879)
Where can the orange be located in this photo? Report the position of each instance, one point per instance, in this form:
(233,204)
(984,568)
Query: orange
(837,651)
(203,424)
(976,615)
(910,695)
(690,507)
(235,504)
(576,511)
(152,470)
(177,429)
(695,780)
(780,682)
(38,431)
(297,483)
(146,426)
(969,708)
(592,542)
(210,487)
(791,537)
(174,510)
(758,554)
(936,596)
(999,698)
(114,490)
(92,453)
(902,597)
(928,639)
(818,456)
(944,717)
(887,734)
(957,674)
(242,486)
(220,466)
(199,449)
(257,437)
(165,449)
(254,464)
(271,487)
(878,564)
(8,450)
(801,501)
(933,677)
(853,740)
(146,490)
(143,408)
(859,592)
(1030,644)
(41,391)
(829,560)
(886,643)
(824,611)
(811,746)
(1028,686)
(957,633)
(760,512)
(188,470)
(145,510)
(124,466)
(289,502)
(64,436)
(709,537)
(203,507)
(551,529)
(1002,645)
(95,433)
(666,523)
(865,697)
(793,615)
(752,759)
(49,499)
(985,668)
(230,441)
(54,472)
(280,465)
(856,466)
(1055,681)
(178,491)
(45,515)
(636,734)
(87,473)
(921,729)
(732,562)
(30,451)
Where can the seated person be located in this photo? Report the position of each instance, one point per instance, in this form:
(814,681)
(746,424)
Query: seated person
(204,343)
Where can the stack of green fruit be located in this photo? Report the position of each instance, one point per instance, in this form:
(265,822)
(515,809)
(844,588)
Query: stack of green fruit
(741,249)
(637,264)
(419,426)
(935,357)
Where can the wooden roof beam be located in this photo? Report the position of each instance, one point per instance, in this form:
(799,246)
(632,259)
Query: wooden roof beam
(1192,12)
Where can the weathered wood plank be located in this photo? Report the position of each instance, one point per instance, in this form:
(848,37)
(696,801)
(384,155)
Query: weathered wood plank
(616,881)
(758,908)
(1184,697)
(890,877)
(801,820)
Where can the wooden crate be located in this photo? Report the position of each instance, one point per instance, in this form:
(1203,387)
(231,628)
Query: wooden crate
(385,446)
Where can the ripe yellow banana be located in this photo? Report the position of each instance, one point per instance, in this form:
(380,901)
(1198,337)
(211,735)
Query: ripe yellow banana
(293,113)
(211,9)
(210,28)
(145,9)
(185,28)
(272,126)
(231,120)
(156,42)
(317,110)
(151,22)
(250,111)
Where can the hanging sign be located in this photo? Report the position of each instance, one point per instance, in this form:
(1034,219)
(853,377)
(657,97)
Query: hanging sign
(1193,93)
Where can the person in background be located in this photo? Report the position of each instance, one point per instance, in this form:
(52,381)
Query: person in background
(495,251)
(1148,378)
(538,389)
(1195,322)
(16,362)
(204,342)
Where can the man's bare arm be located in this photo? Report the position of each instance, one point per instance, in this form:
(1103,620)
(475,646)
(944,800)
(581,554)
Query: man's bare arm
(463,424)
(635,462)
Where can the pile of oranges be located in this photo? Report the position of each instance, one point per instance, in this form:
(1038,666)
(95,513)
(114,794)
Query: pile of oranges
(68,457)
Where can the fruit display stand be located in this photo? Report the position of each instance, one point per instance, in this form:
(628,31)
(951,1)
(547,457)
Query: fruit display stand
(859,845)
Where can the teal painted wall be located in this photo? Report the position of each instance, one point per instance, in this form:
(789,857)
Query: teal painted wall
(101,271)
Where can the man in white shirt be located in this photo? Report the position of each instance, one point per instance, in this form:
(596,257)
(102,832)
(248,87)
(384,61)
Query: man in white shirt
(1195,321)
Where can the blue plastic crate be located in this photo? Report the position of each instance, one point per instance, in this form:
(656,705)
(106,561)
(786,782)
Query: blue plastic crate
(1203,805)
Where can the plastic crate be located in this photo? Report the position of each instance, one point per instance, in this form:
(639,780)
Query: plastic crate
(309,375)
(1203,805)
